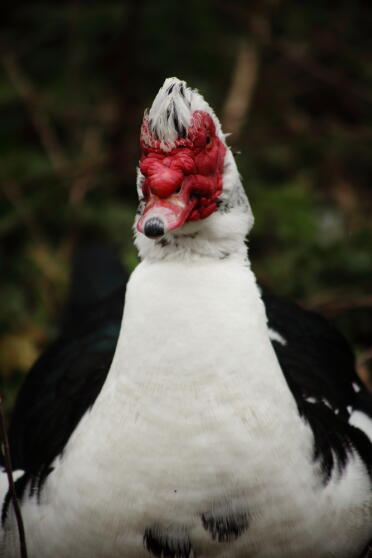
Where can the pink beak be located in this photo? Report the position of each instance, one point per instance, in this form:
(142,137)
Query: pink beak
(163,215)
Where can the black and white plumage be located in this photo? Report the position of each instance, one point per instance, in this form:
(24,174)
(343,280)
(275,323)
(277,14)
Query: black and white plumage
(181,432)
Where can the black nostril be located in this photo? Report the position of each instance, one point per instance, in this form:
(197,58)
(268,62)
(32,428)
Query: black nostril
(154,227)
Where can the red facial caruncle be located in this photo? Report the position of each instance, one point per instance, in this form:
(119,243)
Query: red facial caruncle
(182,184)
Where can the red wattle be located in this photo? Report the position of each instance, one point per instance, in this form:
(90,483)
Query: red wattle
(188,176)
(165,174)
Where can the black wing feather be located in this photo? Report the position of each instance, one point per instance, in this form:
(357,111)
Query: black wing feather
(319,366)
(65,382)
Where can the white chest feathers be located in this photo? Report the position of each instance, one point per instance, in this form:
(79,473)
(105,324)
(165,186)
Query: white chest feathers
(194,448)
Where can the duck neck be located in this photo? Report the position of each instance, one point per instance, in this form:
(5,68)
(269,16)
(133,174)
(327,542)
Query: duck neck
(196,325)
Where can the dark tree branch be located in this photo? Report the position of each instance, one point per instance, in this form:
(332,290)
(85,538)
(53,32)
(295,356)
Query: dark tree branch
(334,307)
(39,118)
(13,495)
(13,192)
(239,97)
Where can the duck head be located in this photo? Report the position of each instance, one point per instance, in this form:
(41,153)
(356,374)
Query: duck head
(186,171)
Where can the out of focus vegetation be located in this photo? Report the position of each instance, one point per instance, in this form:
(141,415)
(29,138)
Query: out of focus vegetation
(293,83)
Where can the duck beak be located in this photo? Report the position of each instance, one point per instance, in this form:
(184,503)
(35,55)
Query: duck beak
(163,215)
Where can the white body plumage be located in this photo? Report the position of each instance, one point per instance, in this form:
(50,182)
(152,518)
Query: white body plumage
(182,429)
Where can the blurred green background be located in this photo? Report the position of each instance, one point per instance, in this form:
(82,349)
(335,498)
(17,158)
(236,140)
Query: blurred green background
(292,82)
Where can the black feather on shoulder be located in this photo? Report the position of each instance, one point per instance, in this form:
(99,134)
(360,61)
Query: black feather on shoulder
(319,366)
(65,382)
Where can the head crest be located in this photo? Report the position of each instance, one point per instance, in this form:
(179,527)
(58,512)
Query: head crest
(171,113)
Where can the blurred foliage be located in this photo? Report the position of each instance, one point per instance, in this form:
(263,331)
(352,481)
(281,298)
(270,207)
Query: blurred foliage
(75,80)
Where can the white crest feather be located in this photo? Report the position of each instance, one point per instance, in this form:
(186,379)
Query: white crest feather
(172,110)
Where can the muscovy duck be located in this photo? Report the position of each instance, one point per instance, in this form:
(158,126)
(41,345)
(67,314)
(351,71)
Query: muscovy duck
(214,420)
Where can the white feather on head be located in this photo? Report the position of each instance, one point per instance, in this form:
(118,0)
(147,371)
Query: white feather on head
(171,112)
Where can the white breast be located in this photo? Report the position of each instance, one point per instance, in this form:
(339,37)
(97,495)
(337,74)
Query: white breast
(195,416)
